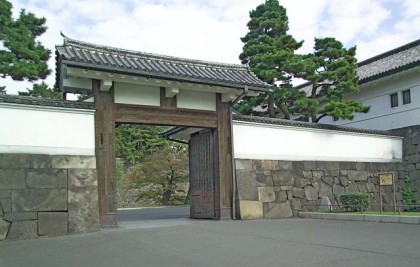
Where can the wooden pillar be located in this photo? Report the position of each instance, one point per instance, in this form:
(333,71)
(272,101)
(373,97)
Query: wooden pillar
(105,154)
(224,179)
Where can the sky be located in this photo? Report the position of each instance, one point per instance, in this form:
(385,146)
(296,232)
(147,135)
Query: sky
(211,29)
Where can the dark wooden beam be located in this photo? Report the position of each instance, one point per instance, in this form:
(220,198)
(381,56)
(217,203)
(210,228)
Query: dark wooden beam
(105,154)
(166,102)
(224,175)
(164,116)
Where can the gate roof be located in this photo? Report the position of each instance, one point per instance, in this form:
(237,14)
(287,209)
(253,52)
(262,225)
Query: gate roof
(90,56)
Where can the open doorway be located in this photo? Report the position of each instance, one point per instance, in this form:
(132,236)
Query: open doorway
(160,172)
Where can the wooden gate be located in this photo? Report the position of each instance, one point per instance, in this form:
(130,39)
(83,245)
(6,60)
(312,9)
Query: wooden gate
(202,174)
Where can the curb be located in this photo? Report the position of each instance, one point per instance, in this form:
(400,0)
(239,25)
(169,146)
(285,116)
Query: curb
(361,217)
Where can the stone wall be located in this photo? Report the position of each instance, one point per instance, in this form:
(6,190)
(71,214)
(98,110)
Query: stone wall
(278,189)
(45,195)
(411,156)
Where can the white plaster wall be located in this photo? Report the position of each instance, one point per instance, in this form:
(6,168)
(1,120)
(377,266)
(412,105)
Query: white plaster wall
(377,95)
(196,100)
(262,141)
(136,94)
(77,82)
(46,130)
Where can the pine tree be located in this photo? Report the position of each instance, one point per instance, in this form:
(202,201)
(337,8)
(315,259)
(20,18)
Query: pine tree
(42,90)
(268,49)
(21,56)
(331,71)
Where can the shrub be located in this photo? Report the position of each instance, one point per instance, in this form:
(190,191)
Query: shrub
(355,201)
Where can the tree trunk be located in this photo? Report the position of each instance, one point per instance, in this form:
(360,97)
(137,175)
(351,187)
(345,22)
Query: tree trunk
(285,111)
(167,193)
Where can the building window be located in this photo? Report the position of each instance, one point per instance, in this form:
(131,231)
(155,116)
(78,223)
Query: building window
(406,96)
(394,100)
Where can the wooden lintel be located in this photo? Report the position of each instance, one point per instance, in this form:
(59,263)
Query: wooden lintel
(164,116)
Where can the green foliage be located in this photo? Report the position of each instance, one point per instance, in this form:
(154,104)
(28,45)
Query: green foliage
(267,50)
(42,90)
(166,167)
(355,201)
(21,56)
(331,71)
(408,191)
(133,143)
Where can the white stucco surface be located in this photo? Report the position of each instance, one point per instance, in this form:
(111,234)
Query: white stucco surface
(136,94)
(196,100)
(46,130)
(377,95)
(264,141)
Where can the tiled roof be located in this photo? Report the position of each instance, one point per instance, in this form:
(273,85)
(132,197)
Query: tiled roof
(401,58)
(265,120)
(100,57)
(45,102)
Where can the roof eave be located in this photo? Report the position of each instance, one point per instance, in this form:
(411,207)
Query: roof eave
(95,67)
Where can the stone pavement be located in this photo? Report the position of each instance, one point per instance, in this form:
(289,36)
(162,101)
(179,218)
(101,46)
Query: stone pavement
(185,242)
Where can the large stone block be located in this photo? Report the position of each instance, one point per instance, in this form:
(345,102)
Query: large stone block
(281,195)
(247,185)
(52,223)
(4,229)
(21,216)
(266,194)
(82,178)
(250,210)
(12,179)
(23,230)
(7,193)
(47,178)
(6,204)
(282,178)
(317,175)
(243,164)
(309,165)
(338,190)
(328,179)
(301,182)
(277,210)
(14,161)
(269,165)
(298,192)
(264,178)
(73,162)
(332,165)
(83,210)
(325,190)
(352,187)
(39,200)
(311,193)
(285,165)
(344,181)
(38,161)
(357,175)
(370,187)
(296,205)
(345,165)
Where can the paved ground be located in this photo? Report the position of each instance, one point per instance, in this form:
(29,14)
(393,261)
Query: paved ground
(127,215)
(185,242)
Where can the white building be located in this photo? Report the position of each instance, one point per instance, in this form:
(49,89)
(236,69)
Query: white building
(390,85)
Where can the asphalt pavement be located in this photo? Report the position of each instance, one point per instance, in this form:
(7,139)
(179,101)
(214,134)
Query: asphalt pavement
(187,242)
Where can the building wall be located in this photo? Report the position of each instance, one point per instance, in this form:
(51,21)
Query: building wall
(136,94)
(46,130)
(272,189)
(48,182)
(265,141)
(45,195)
(382,116)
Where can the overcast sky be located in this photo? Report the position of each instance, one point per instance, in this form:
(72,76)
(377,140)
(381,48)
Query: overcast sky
(211,29)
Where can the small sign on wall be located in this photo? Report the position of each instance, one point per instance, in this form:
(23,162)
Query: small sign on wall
(386,178)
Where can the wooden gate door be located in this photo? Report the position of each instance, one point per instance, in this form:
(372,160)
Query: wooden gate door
(202,174)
